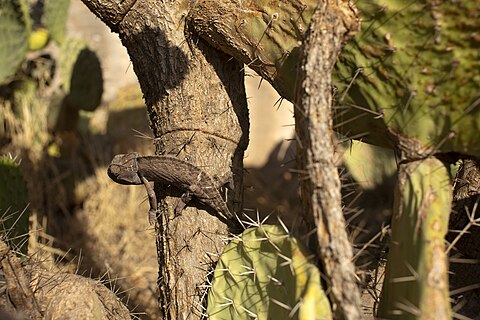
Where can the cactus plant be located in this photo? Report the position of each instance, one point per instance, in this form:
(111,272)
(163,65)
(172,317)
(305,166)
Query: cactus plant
(55,17)
(82,75)
(415,67)
(369,165)
(265,35)
(408,79)
(13,202)
(266,274)
(14,33)
(416,279)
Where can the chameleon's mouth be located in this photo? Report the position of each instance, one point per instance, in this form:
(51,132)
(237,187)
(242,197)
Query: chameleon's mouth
(114,172)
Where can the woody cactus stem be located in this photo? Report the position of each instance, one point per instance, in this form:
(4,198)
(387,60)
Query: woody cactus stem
(416,280)
(313,123)
(265,35)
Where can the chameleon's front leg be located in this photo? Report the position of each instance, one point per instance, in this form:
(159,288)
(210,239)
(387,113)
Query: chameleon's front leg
(152,199)
(184,199)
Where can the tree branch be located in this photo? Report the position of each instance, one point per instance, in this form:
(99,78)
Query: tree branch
(330,24)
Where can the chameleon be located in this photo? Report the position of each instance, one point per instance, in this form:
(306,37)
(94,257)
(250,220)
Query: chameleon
(135,169)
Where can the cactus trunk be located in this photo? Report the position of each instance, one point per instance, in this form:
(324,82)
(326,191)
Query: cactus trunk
(416,279)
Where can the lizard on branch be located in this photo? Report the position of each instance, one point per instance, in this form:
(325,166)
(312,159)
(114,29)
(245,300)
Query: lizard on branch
(134,169)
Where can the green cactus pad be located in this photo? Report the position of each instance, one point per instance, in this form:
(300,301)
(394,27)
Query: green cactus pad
(14,34)
(416,278)
(409,78)
(82,75)
(55,18)
(266,274)
(13,202)
(415,68)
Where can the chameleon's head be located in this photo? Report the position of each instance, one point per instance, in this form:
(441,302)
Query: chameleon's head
(124,169)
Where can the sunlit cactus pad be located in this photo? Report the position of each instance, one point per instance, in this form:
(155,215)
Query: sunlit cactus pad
(416,277)
(411,76)
(266,274)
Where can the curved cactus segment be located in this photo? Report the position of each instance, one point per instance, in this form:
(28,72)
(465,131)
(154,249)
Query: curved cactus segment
(14,33)
(265,35)
(55,17)
(414,67)
(13,201)
(82,75)
(266,274)
(416,279)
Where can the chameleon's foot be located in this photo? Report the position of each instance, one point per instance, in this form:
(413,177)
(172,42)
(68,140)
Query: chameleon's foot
(184,199)
(226,180)
(152,217)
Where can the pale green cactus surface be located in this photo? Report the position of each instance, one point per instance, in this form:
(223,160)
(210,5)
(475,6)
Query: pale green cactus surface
(265,273)
(369,165)
(416,278)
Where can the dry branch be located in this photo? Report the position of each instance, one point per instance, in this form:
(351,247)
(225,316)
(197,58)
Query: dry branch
(331,23)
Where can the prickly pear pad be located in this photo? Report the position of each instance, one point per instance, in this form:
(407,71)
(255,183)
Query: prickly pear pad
(266,274)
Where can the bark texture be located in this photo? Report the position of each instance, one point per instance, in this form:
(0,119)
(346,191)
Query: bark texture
(465,209)
(197,108)
(464,239)
(331,24)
